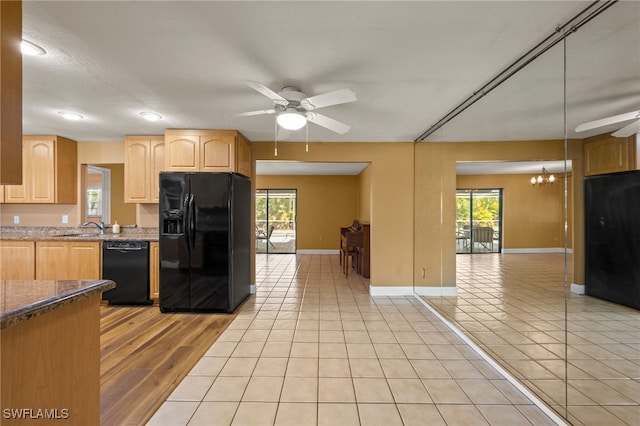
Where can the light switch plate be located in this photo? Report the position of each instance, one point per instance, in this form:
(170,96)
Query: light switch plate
(16,220)
(65,218)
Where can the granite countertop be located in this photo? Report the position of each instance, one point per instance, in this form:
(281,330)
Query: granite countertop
(21,300)
(44,233)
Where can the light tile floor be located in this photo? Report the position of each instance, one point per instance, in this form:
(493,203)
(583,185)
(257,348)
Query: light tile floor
(313,348)
(513,307)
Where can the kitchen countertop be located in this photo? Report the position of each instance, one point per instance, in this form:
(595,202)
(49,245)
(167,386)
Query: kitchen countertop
(19,233)
(21,300)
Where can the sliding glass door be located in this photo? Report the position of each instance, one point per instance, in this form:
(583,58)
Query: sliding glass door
(478,220)
(275,221)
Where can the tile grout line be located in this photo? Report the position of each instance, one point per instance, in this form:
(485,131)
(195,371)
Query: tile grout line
(532,397)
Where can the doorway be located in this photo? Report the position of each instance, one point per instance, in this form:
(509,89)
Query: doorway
(276,221)
(478,220)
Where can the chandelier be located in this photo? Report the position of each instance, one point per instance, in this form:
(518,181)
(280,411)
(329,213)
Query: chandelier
(543,179)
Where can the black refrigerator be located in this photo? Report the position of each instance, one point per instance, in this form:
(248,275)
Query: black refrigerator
(612,237)
(205,241)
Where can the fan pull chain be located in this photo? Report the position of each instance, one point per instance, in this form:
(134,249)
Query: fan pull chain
(307,130)
(275,137)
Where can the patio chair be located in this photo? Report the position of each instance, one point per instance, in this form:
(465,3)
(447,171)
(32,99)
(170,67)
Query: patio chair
(483,235)
(261,235)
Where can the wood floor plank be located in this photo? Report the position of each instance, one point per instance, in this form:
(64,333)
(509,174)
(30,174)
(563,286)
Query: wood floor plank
(145,354)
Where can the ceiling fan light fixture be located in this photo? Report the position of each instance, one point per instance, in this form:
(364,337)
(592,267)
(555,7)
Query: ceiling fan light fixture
(291,120)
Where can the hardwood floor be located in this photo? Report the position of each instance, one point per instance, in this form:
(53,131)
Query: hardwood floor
(145,354)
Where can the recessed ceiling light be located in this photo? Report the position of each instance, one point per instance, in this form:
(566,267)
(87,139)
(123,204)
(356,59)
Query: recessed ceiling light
(151,116)
(73,116)
(31,49)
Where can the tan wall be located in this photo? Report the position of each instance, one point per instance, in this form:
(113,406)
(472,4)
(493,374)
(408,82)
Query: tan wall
(435,181)
(364,210)
(324,204)
(532,217)
(124,213)
(391,176)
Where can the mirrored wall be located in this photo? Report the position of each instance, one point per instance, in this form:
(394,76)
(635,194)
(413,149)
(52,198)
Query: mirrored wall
(523,305)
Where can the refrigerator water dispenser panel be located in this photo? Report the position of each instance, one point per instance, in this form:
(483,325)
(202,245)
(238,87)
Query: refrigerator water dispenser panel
(172,222)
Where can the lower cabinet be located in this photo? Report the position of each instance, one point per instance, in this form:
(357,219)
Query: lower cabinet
(154,273)
(17,260)
(68,260)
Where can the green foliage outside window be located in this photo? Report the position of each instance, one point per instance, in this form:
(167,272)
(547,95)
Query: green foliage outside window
(281,211)
(485,210)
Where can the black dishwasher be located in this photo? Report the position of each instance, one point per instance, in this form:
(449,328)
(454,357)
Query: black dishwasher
(126,263)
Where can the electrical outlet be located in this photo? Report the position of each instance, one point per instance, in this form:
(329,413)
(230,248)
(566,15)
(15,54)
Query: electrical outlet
(65,218)
(16,220)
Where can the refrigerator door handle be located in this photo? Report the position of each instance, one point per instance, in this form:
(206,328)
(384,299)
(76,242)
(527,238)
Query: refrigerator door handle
(192,221)
(185,220)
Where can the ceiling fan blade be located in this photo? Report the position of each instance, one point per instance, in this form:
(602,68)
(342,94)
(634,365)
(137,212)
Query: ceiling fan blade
(607,121)
(335,97)
(627,131)
(327,122)
(259,112)
(279,100)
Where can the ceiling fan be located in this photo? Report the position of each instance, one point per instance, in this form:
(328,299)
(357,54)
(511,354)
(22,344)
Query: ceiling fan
(624,132)
(294,109)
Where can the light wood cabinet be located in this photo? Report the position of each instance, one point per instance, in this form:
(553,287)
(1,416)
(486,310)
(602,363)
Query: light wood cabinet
(608,154)
(207,151)
(49,172)
(68,260)
(154,271)
(144,160)
(17,260)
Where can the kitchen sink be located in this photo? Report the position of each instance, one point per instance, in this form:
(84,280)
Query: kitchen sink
(75,234)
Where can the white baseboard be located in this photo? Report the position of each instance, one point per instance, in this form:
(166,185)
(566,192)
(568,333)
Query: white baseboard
(390,291)
(252,289)
(319,251)
(536,250)
(436,291)
(577,288)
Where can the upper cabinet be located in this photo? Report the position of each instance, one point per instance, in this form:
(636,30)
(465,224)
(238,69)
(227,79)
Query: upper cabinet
(144,160)
(49,172)
(608,154)
(207,151)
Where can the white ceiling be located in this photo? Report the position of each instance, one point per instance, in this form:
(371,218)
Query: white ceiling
(308,168)
(409,63)
(511,167)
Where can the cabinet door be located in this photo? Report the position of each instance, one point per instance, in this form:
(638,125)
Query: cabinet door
(156,148)
(154,271)
(41,170)
(182,154)
(243,156)
(136,169)
(606,154)
(217,153)
(83,260)
(17,260)
(51,260)
(18,193)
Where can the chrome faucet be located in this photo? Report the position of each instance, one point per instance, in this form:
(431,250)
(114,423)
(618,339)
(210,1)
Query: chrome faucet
(100,226)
